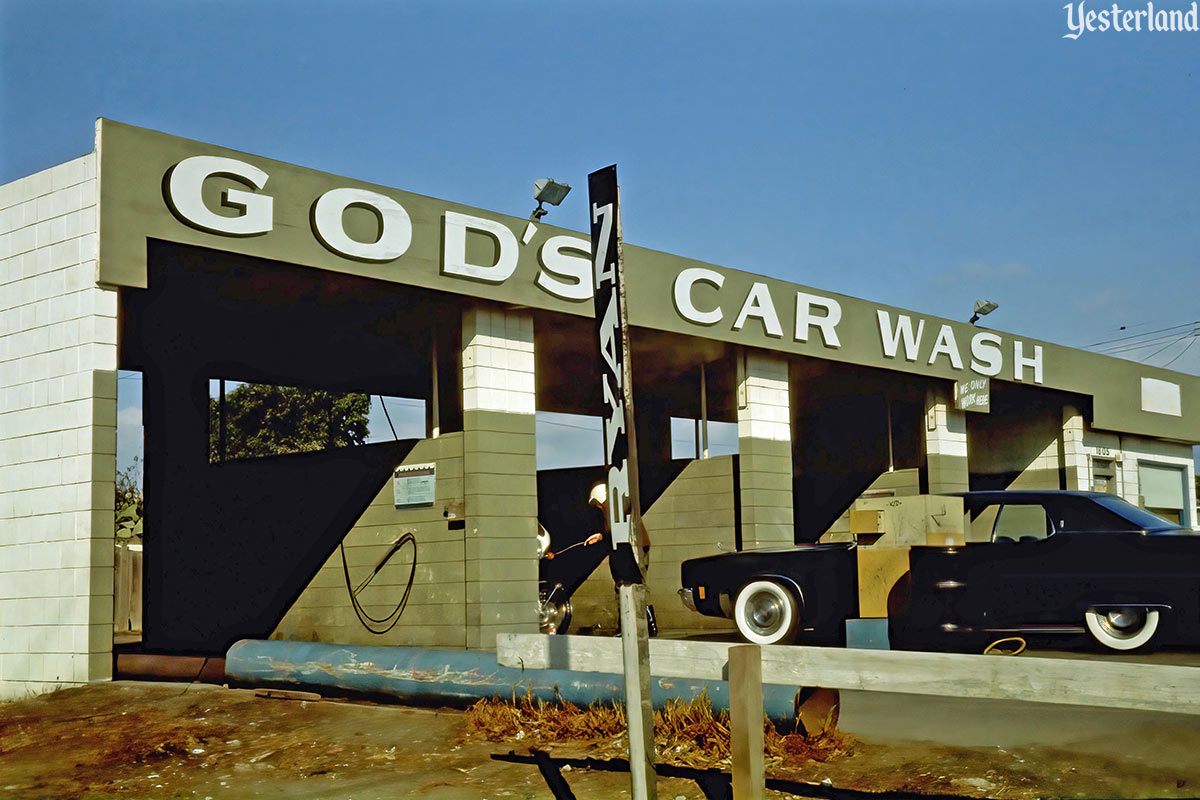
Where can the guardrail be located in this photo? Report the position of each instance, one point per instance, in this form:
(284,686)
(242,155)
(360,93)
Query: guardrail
(1112,684)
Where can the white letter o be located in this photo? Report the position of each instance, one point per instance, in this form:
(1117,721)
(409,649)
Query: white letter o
(395,227)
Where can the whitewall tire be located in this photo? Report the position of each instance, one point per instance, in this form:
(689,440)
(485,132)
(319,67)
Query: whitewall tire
(766,613)
(1122,628)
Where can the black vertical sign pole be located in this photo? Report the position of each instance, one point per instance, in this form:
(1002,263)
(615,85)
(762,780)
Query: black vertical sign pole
(620,456)
(616,368)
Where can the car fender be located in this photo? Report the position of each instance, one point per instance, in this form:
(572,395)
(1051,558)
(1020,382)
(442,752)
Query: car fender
(1110,606)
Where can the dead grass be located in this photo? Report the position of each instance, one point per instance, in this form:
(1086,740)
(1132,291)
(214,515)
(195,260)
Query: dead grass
(688,733)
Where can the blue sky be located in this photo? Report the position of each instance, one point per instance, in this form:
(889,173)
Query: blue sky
(919,153)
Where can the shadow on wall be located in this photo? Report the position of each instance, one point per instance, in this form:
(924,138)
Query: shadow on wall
(235,543)
(1018,444)
(564,512)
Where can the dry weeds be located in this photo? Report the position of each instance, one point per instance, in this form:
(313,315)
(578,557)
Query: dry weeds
(689,734)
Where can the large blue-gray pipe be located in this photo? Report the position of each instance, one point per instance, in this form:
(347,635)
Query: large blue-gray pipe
(456,677)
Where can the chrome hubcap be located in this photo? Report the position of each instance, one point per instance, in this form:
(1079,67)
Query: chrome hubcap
(1123,622)
(764,613)
(552,614)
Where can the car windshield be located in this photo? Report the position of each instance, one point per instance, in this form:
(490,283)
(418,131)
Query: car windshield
(1138,516)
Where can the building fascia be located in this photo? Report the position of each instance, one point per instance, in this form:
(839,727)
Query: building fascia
(283,212)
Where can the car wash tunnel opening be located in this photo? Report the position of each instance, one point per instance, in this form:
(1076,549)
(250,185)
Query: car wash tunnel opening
(275,513)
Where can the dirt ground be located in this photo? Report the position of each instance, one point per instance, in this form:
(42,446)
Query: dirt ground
(155,740)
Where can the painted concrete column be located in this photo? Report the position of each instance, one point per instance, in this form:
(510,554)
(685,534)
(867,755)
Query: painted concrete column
(765,451)
(945,443)
(58,443)
(499,474)
(1076,470)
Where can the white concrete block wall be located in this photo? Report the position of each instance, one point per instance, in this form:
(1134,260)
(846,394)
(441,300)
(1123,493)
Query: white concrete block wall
(764,400)
(945,425)
(498,361)
(1047,459)
(58,334)
(765,450)
(1076,458)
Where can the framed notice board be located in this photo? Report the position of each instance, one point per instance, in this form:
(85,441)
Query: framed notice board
(413,485)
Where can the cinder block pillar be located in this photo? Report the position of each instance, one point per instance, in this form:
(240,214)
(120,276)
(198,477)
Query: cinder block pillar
(1076,470)
(945,443)
(58,444)
(499,474)
(765,451)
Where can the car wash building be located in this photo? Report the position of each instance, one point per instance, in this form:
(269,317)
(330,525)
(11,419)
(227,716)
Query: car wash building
(200,267)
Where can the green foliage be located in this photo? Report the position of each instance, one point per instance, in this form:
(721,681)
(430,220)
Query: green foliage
(262,420)
(129,501)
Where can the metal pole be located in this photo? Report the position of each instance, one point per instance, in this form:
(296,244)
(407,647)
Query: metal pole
(221,424)
(703,411)
(635,634)
(434,399)
(635,655)
(891,454)
(623,504)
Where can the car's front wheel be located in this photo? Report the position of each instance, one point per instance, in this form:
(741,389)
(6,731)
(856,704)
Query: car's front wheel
(766,613)
(1122,628)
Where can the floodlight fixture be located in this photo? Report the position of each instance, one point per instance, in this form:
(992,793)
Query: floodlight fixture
(982,309)
(547,190)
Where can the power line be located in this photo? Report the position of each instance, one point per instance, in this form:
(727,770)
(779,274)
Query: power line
(1078,340)
(589,428)
(1126,348)
(1167,345)
(1166,340)
(1181,352)
(1121,328)
(1145,333)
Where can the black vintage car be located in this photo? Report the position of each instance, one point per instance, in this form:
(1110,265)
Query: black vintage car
(780,595)
(1054,562)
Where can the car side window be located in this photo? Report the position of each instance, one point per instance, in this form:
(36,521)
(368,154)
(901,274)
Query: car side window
(1022,523)
(983,520)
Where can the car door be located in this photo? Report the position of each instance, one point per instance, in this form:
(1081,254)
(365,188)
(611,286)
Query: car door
(1023,576)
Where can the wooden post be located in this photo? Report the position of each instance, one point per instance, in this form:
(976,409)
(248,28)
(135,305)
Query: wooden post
(746,722)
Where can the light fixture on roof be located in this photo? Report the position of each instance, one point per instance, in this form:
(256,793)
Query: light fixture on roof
(549,191)
(982,309)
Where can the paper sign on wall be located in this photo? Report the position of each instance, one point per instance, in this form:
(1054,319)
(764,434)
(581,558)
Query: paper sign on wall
(973,394)
(414,485)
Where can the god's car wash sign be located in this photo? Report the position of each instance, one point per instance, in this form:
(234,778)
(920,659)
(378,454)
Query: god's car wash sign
(157,186)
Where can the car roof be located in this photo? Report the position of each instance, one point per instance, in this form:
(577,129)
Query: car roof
(1017,495)
(1053,499)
